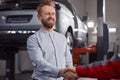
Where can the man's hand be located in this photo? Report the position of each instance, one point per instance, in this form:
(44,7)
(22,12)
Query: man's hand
(69,73)
(72,69)
(62,72)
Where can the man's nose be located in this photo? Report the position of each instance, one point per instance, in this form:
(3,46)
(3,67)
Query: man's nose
(51,14)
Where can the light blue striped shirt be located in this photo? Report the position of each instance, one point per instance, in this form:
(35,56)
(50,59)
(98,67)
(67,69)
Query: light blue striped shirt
(49,53)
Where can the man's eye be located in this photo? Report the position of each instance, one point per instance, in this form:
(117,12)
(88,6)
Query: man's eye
(50,13)
(46,13)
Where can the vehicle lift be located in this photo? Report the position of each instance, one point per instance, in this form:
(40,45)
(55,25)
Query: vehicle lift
(83,50)
(100,49)
(102,39)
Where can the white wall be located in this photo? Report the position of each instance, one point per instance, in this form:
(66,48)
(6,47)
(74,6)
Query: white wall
(113,12)
(91,8)
(80,6)
(113,19)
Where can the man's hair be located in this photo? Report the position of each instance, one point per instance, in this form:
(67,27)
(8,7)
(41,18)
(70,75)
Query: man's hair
(43,3)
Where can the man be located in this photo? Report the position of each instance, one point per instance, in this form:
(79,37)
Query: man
(48,49)
(103,70)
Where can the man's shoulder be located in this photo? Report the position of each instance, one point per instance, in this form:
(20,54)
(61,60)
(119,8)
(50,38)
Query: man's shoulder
(59,34)
(33,35)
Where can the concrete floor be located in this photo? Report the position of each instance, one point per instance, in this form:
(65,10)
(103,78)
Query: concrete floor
(27,76)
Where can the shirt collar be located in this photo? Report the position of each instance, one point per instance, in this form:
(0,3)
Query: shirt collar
(42,30)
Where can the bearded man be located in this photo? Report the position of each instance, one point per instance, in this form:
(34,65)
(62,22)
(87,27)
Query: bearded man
(48,49)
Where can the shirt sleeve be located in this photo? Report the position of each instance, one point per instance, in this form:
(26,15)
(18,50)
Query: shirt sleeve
(36,56)
(103,70)
(68,56)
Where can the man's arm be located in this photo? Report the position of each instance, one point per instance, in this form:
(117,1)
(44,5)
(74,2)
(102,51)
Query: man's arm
(101,70)
(68,57)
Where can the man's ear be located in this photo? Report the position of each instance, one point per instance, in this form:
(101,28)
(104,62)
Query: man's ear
(39,17)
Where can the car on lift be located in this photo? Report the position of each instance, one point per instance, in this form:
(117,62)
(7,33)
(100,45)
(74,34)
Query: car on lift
(20,17)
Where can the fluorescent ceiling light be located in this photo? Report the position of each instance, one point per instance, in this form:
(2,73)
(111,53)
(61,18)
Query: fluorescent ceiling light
(90,24)
(112,30)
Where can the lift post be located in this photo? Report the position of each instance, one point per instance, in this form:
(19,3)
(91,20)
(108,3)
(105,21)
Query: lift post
(8,54)
(102,32)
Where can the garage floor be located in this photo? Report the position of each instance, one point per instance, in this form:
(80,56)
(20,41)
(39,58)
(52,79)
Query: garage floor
(27,76)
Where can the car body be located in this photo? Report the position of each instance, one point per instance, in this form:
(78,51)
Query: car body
(18,19)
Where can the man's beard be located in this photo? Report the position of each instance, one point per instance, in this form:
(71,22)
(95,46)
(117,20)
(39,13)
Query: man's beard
(47,24)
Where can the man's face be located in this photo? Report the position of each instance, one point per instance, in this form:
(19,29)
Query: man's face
(48,16)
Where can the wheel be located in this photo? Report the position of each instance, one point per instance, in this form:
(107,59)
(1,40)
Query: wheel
(70,40)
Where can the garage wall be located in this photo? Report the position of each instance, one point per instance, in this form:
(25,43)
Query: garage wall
(113,12)
(80,6)
(91,8)
(113,19)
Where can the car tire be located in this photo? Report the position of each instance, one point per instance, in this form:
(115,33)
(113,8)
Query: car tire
(70,40)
